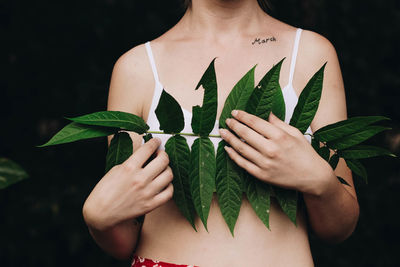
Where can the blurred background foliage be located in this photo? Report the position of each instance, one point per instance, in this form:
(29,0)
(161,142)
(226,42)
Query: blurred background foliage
(56,60)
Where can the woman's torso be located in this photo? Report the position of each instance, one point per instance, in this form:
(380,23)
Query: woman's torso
(166,235)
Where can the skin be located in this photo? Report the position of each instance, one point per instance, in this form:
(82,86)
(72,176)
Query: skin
(272,151)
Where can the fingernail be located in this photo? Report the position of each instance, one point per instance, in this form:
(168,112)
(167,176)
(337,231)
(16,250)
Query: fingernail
(234,112)
(227,149)
(228,121)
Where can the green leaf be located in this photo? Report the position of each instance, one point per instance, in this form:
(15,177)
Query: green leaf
(258,193)
(362,152)
(169,114)
(203,119)
(287,199)
(229,184)
(75,131)
(279,108)
(308,102)
(333,161)
(179,155)
(116,119)
(202,176)
(267,95)
(324,152)
(10,173)
(356,138)
(343,181)
(315,143)
(120,149)
(345,127)
(147,137)
(356,167)
(238,97)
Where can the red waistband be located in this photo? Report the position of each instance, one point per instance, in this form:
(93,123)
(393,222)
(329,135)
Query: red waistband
(144,262)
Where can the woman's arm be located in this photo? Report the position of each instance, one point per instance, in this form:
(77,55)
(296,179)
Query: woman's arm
(339,204)
(128,190)
(279,154)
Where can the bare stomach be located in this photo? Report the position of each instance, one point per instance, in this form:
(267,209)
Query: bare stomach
(167,236)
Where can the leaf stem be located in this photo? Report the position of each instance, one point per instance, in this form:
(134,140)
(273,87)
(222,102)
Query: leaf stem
(188,134)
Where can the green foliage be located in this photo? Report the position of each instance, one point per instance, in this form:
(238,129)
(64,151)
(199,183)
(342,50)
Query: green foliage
(198,172)
(76,131)
(333,161)
(258,193)
(267,96)
(202,176)
(120,149)
(363,152)
(307,104)
(356,167)
(204,117)
(238,97)
(356,138)
(287,200)
(345,128)
(116,119)
(343,181)
(10,173)
(229,177)
(279,107)
(324,152)
(147,137)
(168,108)
(229,185)
(179,155)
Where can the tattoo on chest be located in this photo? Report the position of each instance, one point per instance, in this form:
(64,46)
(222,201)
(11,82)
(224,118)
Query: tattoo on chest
(259,41)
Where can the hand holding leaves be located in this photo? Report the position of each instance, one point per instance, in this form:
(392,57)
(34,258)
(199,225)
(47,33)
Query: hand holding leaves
(130,189)
(275,152)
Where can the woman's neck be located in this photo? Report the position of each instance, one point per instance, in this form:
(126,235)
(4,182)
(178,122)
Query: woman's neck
(222,19)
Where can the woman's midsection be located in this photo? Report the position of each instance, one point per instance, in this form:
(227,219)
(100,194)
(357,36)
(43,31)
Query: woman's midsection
(167,236)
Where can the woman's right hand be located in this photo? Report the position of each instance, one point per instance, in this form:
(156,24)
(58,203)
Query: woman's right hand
(130,189)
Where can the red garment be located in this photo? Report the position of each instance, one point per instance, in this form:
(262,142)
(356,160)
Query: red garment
(143,262)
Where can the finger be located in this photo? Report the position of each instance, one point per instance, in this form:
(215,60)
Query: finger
(241,147)
(242,162)
(140,156)
(163,196)
(162,180)
(259,125)
(158,164)
(253,138)
(274,120)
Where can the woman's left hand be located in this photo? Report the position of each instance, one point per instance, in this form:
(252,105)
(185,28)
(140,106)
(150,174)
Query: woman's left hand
(277,153)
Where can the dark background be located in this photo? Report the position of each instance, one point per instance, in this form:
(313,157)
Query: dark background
(56,61)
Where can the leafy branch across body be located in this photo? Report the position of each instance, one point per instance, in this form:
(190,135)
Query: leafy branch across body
(199,171)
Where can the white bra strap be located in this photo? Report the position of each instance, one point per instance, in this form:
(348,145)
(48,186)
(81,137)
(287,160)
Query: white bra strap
(294,55)
(152,62)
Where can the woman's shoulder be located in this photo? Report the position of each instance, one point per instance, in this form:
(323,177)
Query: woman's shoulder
(314,51)
(316,48)
(131,76)
(133,62)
